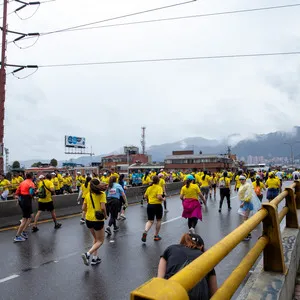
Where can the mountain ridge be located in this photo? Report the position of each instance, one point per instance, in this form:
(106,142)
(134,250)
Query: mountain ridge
(267,145)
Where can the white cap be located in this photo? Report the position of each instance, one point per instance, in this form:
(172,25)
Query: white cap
(242,177)
(41,177)
(78,173)
(104,173)
(161,170)
(53,173)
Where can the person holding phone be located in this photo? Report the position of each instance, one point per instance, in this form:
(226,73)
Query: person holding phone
(94,206)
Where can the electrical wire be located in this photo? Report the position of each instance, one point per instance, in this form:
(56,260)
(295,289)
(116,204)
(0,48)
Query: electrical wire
(172,59)
(177,18)
(119,17)
(192,16)
(23,19)
(22,48)
(13,73)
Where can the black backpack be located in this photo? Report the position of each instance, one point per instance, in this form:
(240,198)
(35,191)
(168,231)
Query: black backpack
(42,191)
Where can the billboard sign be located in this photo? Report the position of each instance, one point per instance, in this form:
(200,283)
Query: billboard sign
(74,142)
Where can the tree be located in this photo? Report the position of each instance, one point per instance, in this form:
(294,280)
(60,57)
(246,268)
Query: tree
(53,162)
(36,165)
(16,165)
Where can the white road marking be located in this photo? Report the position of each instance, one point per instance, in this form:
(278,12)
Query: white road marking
(171,220)
(9,278)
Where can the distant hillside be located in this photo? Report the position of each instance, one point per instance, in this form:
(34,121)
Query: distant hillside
(268,145)
(159,152)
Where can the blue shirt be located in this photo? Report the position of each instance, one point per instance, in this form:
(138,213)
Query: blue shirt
(137,178)
(115,192)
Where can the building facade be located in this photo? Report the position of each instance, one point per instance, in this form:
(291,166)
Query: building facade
(187,160)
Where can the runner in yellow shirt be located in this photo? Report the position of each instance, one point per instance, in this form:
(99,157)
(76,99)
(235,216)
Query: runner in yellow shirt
(45,202)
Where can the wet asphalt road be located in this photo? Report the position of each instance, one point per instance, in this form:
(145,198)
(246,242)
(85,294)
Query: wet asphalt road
(49,266)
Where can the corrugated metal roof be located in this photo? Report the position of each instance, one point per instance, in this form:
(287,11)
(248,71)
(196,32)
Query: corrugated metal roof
(192,156)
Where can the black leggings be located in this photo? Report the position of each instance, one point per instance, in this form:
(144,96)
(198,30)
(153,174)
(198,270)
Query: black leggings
(112,208)
(225,193)
(192,222)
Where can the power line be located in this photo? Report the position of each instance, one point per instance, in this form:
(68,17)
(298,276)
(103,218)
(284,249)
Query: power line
(191,16)
(120,17)
(163,59)
(176,18)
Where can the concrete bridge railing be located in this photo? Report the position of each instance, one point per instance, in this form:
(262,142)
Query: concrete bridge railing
(10,212)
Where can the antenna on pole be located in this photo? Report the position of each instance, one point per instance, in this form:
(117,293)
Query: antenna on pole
(143,140)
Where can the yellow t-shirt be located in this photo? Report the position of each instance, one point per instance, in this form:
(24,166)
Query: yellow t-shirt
(192,192)
(147,180)
(273,183)
(85,190)
(15,182)
(162,182)
(105,179)
(20,178)
(226,180)
(237,181)
(261,185)
(90,213)
(69,180)
(4,185)
(61,180)
(205,182)
(152,192)
(56,183)
(48,186)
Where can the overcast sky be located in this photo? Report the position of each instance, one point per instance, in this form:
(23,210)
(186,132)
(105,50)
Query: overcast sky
(108,104)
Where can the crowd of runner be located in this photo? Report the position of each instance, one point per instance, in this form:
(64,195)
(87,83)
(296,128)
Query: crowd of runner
(103,197)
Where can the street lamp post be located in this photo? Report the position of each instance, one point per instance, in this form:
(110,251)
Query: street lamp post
(292,150)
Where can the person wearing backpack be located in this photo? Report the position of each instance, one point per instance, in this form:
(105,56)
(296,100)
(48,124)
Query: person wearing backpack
(45,202)
(224,185)
(176,257)
(258,188)
(24,194)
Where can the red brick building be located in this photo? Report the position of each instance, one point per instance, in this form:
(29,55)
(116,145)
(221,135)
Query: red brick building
(186,160)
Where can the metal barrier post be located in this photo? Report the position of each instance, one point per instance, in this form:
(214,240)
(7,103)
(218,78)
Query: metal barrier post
(159,289)
(273,252)
(297,192)
(291,216)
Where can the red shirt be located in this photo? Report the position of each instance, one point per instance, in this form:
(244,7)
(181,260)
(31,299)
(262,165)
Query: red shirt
(24,187)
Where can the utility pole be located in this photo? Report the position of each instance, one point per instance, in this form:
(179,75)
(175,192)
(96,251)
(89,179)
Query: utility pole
(2,84)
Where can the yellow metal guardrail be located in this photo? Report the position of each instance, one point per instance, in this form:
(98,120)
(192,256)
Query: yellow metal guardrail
(269,243)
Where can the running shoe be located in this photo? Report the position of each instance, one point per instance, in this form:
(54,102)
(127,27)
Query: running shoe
(116,229)
(157,238)
(86,259)
(166,211)
(57,226)
(192,230)
(247,238)
(82,221)
(220,210)
(142,202)
(34,229)
(96,261)
(19,239)
(24,235)
(78,202)
(123,217)
(108,230)
(144,237)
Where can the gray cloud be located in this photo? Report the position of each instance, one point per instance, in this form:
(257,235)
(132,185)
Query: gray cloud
(108,104)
